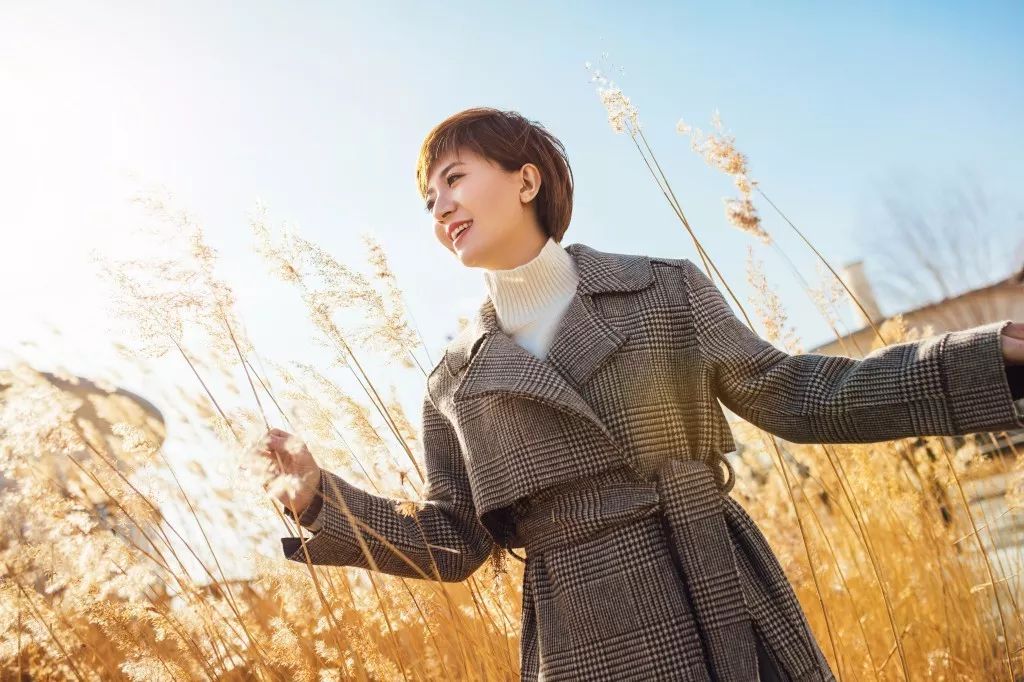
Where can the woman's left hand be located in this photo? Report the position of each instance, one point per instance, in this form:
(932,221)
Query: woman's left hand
(1013,343)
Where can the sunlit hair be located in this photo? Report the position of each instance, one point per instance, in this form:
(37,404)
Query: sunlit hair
(509,140)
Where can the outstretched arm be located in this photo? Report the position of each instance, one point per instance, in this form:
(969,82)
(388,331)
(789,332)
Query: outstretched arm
(445,528)
(954,383)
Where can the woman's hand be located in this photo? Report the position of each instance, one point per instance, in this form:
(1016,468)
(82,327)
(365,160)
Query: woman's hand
(1013,343)
(291,475)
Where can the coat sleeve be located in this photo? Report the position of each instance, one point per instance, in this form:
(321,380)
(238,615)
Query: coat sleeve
(446,528)
(953,383)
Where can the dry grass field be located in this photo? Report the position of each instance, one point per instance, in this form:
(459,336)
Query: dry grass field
(897,572)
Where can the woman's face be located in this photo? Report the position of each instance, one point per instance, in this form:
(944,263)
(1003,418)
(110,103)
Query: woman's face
(504,232)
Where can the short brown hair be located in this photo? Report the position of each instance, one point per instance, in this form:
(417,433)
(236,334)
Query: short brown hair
(509,140)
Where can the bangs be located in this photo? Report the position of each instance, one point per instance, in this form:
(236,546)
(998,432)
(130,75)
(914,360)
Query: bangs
(507,139)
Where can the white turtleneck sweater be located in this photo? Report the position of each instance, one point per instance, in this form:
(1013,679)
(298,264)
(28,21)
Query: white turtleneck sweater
(530,300)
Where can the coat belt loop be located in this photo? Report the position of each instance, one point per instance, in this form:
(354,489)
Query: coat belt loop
(515,555)
(729,476)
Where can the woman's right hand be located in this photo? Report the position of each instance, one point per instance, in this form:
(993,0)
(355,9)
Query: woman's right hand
(285,456)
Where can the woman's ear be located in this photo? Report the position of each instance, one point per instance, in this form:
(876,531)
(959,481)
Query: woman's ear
(531,181)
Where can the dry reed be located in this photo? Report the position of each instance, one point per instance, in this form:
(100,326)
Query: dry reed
(897,573)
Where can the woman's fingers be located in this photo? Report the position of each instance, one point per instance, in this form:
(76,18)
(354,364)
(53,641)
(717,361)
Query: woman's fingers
(267,456)
(285,468)
(1013,343)
(273,434)
(289,446)
(1014,352)
(280,460)
(277,443)
(274,469)
(279,453)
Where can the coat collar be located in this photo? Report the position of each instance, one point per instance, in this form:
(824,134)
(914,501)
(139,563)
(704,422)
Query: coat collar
(582,342)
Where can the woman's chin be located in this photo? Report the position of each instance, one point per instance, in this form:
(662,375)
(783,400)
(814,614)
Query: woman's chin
(467,255)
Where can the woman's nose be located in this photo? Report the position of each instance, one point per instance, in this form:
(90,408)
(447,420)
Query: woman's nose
(442,211)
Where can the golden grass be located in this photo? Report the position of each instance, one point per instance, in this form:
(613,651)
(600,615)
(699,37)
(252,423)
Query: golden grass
(895,570)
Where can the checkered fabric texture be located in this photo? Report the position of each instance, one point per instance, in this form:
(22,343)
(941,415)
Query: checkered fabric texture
(673,581)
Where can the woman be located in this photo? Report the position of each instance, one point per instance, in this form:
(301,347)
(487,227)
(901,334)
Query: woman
(577,417)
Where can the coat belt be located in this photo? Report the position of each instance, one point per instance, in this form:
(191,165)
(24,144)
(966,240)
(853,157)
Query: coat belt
(691,504)
(688,496)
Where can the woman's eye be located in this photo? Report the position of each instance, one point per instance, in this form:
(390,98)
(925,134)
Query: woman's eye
(430,205)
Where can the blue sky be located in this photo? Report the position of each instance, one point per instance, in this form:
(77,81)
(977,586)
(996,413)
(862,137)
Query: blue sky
(319,108)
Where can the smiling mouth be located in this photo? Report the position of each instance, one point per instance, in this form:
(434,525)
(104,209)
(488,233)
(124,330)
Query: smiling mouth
(459,235)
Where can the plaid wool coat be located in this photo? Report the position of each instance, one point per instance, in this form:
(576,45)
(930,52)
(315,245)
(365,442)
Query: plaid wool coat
(605,463)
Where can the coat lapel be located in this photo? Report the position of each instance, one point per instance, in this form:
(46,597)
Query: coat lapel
(491,361)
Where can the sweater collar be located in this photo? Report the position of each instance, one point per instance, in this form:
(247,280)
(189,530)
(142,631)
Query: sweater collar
(599,271)
(526,292)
